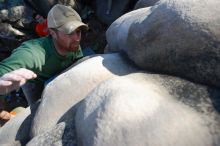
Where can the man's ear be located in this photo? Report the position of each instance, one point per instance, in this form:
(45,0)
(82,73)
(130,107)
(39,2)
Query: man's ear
(52,32)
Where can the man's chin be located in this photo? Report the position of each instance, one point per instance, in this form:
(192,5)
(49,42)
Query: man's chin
(74,49)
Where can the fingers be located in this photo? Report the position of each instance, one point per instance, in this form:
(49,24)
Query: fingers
(25,73)
(5,116)
(5,83)
(13,80)
(19,75)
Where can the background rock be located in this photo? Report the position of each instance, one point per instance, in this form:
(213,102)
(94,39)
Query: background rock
(15,25)
(144,3)
(109,10)
(175,37)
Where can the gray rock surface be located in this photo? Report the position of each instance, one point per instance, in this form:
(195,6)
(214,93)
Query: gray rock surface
(18,128)
(11,130)
(72,86)
(176,37)
(130,109)
(106,100)
(15,25)
(145,3)
(148,109)
(13,143)
(108,11)
(52,137)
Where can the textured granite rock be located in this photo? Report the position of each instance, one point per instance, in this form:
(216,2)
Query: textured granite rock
(177,37)
(149,109)
(72,86)
(144,3)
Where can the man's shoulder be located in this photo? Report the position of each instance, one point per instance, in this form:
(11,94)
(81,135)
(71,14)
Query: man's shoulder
(43,44)
(38,41)
(34,46)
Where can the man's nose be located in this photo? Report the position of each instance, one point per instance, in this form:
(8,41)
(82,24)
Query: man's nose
(76,36)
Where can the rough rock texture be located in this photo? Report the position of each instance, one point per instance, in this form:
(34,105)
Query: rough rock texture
(178,37)
(143,109)
(108,11)
(106,100)
(13,143)
(72,86)
(18,128)
(42,7)
(148,109)
(14,10)
(145,3)
(52,137)
(15,25)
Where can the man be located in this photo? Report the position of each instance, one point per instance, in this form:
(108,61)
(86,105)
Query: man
(38,60)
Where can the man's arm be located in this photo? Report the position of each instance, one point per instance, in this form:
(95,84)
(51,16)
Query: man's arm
(15,79)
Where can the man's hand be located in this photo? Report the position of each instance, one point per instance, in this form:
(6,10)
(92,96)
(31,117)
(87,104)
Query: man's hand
(13,80)
(5,116)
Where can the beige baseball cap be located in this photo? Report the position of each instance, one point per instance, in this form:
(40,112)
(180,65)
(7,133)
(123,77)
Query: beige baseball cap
(64,19)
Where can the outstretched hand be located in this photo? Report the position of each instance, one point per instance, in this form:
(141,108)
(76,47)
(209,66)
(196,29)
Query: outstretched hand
(15,79)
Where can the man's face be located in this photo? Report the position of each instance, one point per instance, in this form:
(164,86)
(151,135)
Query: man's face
(68,42)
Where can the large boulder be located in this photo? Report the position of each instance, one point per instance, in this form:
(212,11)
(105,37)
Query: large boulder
(18,128)
(15,25)
(104,101)
(69,88)
(126,103)
(141,108)
(148,109)
(177,37)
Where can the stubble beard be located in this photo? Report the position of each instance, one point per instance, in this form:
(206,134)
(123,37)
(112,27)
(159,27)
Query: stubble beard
(74,47)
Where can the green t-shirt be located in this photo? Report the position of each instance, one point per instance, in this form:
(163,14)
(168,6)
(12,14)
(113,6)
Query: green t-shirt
(40,56)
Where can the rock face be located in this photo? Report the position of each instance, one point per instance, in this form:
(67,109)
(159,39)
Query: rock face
(18,128)
(145,3)
(108,11)
(72,86)
(42,7)
(107,100)
(145,109)
(126,109)
(175,37)
(15,25)
(52,137)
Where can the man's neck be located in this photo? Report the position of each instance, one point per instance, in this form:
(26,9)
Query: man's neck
(61,51)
